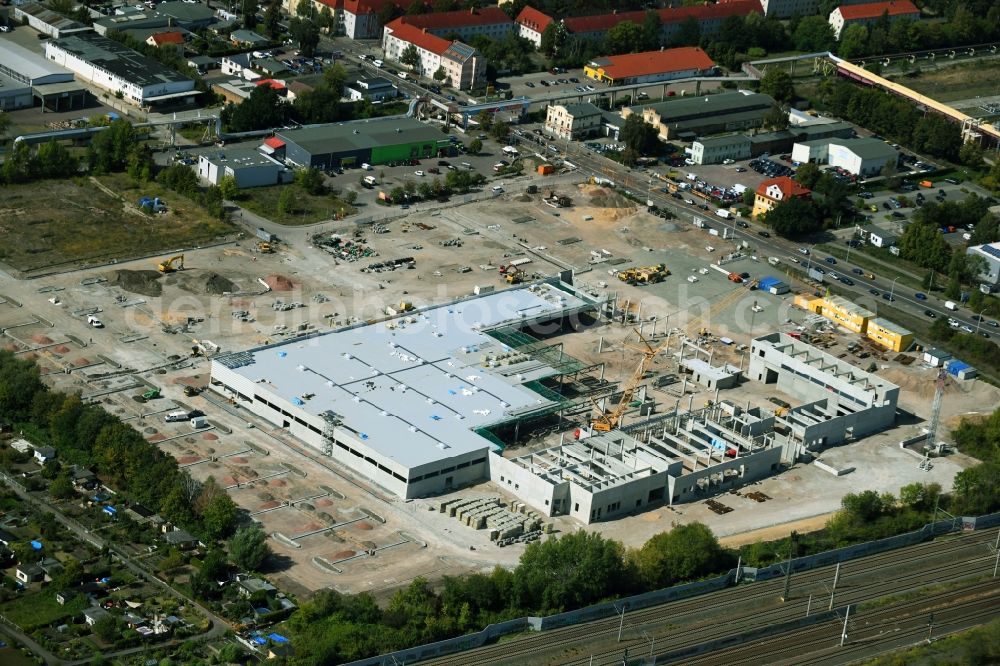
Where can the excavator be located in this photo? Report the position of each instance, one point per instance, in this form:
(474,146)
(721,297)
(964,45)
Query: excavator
(609,420)
(514,275)
(167,265)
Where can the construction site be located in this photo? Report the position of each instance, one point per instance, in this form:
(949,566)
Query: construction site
(424,395)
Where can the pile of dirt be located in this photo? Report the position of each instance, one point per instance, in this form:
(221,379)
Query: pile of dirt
(919,384)
(61,349)
(40,339)
(363,526)
(139,282)
(218,285)
(343,554)
(279,283)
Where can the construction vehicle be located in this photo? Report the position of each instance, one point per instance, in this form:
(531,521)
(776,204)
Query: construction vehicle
(168,265)
(191,391)
(644,274)
(609,420)
(264,247)
(514,275)
(151,394)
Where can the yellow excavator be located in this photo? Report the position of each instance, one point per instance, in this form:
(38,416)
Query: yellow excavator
(172,264)
(607,421)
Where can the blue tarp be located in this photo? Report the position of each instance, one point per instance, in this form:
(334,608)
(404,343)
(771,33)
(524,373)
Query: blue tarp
(37,545)
(277,638)
(955,366)
(110,510)
(766,283)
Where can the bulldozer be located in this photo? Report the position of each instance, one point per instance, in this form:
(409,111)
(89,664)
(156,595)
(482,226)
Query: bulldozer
(264,247)
(172,264)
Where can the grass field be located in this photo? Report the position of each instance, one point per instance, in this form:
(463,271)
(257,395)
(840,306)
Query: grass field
(956,82)
(305,209)
(56,224)
(40,609)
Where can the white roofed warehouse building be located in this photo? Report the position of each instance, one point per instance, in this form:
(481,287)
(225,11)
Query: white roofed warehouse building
(26,76)
(406,402)
(990,254)
(248,167)
(118,69)
(871,13)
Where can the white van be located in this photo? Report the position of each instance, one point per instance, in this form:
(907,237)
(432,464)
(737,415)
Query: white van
(366,167)
(497,189)
(466,165)
(370,181)
(402,75)
(175,417)
(377,63)
(94,321)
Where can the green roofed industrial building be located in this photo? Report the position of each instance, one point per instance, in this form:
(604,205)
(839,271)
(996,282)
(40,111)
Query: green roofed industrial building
(375,141)
(688,117)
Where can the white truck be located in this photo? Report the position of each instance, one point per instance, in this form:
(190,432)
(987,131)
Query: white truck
(774,261)
(724,214)
(175,417)
(950,305)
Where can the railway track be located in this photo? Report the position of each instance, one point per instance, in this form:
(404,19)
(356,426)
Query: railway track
(900,624)
(755,605)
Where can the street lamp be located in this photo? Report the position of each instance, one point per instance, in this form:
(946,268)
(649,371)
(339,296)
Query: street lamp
(892,288)
(980,319)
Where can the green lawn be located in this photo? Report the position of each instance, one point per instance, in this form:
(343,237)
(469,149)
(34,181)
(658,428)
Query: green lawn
(56,224)
(34,610)
(305,208)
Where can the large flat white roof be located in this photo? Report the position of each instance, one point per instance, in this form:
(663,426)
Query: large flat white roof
(414,387)
(29,64)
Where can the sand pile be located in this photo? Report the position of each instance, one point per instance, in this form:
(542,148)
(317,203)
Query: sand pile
(140,282)
(922,385)
(41,339)
(279,283)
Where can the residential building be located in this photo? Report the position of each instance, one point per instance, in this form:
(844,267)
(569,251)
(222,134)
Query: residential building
(247,38)
(889,335)
(839,310)
(118,69)
(773,191)
(357,19)
(404,402)
(990,253)
(531,23)
(374,89)
(870,13)
(651,66)
(464,67)
(709,18)
(489,21)
(861,157)
(173,39)
(180,539)
(784,9)
(877,236)
(43,454)
(28,573)
(46,21)
(92,616)
(573,121)
(688,117)
(203,63)
(373,141)
(247,166)
(251,586)
(717,149)
(239,64)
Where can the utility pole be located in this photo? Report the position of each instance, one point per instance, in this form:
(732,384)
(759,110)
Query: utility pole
(833,591)
(930,626)
(843,634)
(621,625)
(793,539)
(997,549)
(809,605)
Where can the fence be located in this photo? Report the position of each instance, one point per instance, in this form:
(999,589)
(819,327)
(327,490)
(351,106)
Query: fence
(656,597)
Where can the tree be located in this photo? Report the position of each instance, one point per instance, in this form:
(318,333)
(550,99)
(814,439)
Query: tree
(326,21)
(776,118)
(440,74)
(61,487)
(4,124)
(813,34)
(475,146)
(219,515)
(272,19)
(553,39)
(639,135)
(920,496)
(334,78)
(249,11)
(625,37)
(306,33)
(923,244)
(864,506)
(777,83)
(248,548)
(807,175)
(853,41)
(19,165)
(410,57)
(106,628)
(684,553)
(303,7)
(794,218)
(652,28)
(688,33)
(263,109)
(349,197)
(500,130)
(228,187)
(109,150)
(397,195)
(311,180)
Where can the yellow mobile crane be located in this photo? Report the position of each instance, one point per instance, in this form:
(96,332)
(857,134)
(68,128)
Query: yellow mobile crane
(609,420)
(167,265)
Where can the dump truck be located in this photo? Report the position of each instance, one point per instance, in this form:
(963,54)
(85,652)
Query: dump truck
(735,277)
(151,394)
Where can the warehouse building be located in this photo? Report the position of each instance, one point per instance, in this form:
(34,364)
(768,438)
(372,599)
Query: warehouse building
(990,253)
(687,117)
(861,157)
(374,141)
(373,89)
(118,69)
(838,310)
(889,335)
(46,21)
(54,87)
(717,149)
(651,66)
(404,402)
(249,167)
(677,457)
(842,402)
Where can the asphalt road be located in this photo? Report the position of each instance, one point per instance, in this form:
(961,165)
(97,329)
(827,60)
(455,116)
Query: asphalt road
(637,181)
(686,626)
